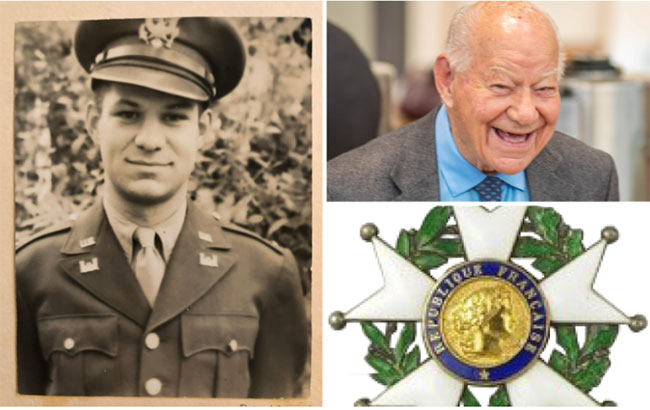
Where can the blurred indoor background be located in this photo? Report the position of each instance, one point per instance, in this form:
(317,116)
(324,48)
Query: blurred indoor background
(605,92)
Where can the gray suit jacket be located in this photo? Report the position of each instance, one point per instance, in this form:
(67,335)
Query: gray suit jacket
(401,166)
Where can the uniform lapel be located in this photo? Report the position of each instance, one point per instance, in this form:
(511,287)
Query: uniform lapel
(197,262)
(94,259)
(416,171)
(544,183)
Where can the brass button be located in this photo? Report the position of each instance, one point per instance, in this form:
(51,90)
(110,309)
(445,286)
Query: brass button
(68,343)
(152,341)
(233,345)
(153,386)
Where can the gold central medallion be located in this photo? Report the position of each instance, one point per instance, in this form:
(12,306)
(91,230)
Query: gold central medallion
(485,322)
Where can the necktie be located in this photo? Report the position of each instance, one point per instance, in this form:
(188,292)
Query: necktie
(489,190)
(148,265)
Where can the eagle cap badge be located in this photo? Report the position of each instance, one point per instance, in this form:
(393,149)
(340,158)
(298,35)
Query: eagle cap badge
(159,32)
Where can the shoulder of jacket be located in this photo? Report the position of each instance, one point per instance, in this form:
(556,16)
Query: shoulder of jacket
(378,155)
(57,229)
(564,141)
(238,230)
(577,151)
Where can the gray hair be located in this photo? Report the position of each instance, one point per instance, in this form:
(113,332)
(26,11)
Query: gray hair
(459,48)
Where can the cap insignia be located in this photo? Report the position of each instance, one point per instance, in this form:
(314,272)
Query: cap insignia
(159,32)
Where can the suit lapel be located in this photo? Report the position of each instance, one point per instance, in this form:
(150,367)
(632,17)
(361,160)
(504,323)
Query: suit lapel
(197,262)
(95,260)
(544,183)
(416,171)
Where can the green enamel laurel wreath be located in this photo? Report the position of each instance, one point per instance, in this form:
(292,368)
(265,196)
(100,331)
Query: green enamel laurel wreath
(544,237)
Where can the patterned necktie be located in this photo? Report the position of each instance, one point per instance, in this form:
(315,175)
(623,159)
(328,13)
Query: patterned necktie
(148,265)
(489,190)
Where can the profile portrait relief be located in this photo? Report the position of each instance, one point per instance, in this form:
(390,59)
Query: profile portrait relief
(493,136)
(489,328)
(163,207)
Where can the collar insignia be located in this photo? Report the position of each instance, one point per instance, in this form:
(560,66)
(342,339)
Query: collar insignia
(159,32)
(208,260)
(89,266)
(204,236)
(86,242)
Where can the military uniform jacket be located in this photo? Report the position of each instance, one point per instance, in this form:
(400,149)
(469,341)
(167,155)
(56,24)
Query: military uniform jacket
(229,319)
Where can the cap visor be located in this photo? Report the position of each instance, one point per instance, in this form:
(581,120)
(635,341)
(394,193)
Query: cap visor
(151,78)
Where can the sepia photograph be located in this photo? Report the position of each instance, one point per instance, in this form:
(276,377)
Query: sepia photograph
(163,203)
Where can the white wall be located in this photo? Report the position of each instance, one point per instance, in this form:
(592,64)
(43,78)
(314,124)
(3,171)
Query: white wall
(426,32)
(629,39)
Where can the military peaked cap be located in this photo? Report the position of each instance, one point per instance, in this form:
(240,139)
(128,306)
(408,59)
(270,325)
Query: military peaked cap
(197,58)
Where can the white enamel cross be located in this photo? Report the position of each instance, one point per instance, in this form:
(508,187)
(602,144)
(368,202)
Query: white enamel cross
(486,234)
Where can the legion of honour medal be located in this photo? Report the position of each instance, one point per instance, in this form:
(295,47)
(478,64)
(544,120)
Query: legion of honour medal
(486,321)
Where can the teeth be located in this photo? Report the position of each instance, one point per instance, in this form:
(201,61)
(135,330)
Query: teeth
(511,137)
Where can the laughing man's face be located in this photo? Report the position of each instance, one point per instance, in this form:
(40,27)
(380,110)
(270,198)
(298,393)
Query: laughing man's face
(503,108)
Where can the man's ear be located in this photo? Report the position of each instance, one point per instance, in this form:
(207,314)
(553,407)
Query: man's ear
(443,75)
(92,119)
(206,136)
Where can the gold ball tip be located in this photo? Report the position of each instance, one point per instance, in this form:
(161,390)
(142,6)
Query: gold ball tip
(368,231)
(638,323)
(609,234)
(362,403)
(337,320)
(609,403)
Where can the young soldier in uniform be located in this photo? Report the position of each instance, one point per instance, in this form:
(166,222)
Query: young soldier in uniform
(144,294)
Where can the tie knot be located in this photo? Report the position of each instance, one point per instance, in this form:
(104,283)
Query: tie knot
(145,237)
(489,189)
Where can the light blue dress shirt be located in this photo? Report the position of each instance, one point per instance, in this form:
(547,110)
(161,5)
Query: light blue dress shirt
(458,177)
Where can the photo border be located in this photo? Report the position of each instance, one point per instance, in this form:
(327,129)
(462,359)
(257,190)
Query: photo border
(13,12)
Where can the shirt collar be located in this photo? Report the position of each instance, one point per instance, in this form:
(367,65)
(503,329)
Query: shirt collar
(168,230)
(460,174)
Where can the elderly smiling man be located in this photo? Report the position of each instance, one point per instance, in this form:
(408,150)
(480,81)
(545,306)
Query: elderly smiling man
(494,138)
